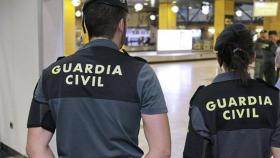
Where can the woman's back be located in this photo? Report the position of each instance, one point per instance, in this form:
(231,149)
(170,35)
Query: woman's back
(235,116)
(239,121)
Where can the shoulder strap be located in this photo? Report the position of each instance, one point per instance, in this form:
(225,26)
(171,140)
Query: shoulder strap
(59,58)
(271,86)
(137,58)
(141,59)
(195,94)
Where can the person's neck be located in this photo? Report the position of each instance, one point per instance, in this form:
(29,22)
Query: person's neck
(226,70)
(113,40)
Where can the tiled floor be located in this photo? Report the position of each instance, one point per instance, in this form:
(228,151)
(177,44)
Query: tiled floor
(179,81)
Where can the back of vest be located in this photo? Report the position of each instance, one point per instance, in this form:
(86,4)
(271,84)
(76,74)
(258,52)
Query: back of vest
(240,119)
(94,101)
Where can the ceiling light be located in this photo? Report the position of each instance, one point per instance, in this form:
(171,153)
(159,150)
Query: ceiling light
(138,7)
(153,17)
(239,13)
(211,30)
(78,13)
(175,9)
(76,3)
(205,9)
(146,3)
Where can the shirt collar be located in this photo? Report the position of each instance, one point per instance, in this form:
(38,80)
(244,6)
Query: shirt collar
(227,77)
(101,43)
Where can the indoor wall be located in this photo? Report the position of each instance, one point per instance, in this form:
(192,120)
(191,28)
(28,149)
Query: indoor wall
(31,37)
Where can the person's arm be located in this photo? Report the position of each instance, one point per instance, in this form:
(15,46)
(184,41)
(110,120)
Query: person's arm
(41,125)
(275,143)
(197,142)
(276,152)
(277,58)
(38,140)
(157,133)
(154,114)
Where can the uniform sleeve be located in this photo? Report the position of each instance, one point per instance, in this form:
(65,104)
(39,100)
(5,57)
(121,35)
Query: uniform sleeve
(277,58)
(40,113)
(273,48)
(198,137)
(276,136)
(150,93)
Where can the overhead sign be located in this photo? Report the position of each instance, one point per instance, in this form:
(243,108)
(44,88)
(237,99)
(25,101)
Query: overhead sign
(265,9)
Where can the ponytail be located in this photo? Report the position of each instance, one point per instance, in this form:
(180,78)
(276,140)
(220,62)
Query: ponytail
(240,62)
(235,59)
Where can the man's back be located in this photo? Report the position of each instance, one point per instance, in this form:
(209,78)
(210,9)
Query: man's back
(96,98)
(96,105)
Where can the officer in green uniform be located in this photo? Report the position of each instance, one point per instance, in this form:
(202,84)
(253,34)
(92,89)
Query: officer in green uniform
(260,46)
(235,116)
(269,58)
(96,98)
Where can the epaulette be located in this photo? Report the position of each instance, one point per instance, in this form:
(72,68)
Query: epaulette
(59,58)
(137,58)
(141,59)
(271,86)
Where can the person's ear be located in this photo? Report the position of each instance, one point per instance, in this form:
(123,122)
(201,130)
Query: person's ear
(121,25)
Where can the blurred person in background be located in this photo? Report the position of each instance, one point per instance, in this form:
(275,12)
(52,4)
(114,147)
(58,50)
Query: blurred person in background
(269,58)
(260,45)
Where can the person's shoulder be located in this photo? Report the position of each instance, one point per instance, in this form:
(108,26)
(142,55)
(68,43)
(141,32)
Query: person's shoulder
(132,61)
(59,61)
(197,92)
(125,54)
(262,82)
(139,59)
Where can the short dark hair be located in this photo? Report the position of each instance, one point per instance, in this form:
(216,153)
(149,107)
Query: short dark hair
(101,20)
(263,31)
(273,32)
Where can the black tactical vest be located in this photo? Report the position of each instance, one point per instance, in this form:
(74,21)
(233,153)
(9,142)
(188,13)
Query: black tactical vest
(232,111)
(230,106)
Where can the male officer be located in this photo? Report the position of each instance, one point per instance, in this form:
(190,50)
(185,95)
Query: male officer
(96,98)
(269,58)
(260,46)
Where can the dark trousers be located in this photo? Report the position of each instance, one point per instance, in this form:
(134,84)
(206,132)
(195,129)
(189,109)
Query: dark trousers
(269,72)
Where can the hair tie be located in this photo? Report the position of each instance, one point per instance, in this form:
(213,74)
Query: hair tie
(236,50)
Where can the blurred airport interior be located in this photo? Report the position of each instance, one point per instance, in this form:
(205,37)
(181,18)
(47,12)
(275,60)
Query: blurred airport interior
(170,34)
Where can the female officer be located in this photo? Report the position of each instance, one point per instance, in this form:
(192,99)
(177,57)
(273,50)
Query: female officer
(235,116)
